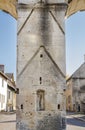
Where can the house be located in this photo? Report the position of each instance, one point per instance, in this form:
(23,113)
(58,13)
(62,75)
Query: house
(75,93)
(7,91)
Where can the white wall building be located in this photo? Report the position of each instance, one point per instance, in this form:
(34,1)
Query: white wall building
(3,92)
(7,91)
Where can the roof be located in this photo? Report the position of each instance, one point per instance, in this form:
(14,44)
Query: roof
(10,76)
(79,73)
(9,82)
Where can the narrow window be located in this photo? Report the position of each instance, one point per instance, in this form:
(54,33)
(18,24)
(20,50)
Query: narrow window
(40,80)
(58,106)
(9,94)
(2,83)
(0,97)
(1,104)
(40,100)
(17,91)
(41,55)
(21,106)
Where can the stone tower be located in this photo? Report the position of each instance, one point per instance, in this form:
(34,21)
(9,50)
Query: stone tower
(41,65)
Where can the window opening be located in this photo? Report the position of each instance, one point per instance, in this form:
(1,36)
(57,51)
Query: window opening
(58,106)
(41,55)
(40,100)
(21,106)
(40,80)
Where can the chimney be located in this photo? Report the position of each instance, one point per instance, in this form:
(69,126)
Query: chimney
(2,68)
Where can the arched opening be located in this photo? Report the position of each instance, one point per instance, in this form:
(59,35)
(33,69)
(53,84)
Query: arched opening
(75,41)
(40,100)
(75,51)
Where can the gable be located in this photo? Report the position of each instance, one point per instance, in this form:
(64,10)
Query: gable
(41,65)
(80,72)
(41,27)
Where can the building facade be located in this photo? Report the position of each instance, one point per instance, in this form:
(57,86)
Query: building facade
(75,93)
(41,66)
(7,92)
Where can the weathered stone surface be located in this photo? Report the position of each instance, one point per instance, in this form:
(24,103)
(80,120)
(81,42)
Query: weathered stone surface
(76,90)
(41,67)
(46,1)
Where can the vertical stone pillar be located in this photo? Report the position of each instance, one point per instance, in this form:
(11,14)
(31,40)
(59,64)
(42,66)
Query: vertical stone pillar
(41,65)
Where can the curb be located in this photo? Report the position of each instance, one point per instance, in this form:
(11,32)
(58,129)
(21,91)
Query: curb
(7,113)
(11,121)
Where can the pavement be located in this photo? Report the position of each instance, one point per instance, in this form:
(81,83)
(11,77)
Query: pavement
(75,121)
(7,121)
(79,116)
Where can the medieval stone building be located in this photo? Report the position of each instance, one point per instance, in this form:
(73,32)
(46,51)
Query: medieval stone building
(75,92)
(41,65)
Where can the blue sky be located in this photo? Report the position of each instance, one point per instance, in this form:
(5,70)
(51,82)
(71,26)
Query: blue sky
(8,27)
(75,41)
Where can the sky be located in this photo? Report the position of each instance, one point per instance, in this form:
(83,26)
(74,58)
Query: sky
(75,42)
(8,38)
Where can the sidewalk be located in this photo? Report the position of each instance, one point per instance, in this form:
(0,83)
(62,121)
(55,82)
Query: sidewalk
(7,121)
(8,117)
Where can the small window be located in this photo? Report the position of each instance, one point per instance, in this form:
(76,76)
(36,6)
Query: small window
(2,83)
(3,98)
(41,55)
(0,97)
(21,106)
(40,100)
(17,91)
(9,94)
(1,104)
(40,80)
(58,106)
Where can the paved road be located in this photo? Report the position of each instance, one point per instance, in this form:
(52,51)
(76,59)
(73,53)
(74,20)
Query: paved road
(75,124)
(8,122)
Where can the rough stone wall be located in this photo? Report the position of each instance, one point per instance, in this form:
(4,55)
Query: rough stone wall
(78,94)
(41,66)
(69,96)
(76,89)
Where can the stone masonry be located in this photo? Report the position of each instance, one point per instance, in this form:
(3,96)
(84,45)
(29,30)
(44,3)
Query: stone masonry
(41,65)
(75,93)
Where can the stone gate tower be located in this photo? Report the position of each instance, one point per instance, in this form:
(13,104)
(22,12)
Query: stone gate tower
(41,65)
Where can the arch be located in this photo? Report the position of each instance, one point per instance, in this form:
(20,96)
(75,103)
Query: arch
(75,6)
(9,7)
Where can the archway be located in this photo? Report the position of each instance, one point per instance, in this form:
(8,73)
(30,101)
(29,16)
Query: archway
(8,39)
(75,41)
